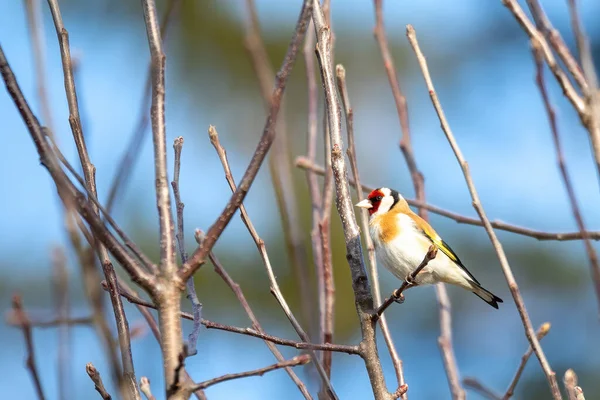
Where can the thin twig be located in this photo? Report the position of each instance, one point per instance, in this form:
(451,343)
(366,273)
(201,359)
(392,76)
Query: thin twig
(190,287)
(340,348)
(145,388)
(280,166)
(592,97)
(214,232)
(61,292)
(23,322)
(127,381)
(556,41)
(591,252)
(95,377)
(306,164)
(36,32)
(275,290)
(298,360)
(340,73)
(168,297)
(360,282)
(11,319)
(144,309)
(570,382)
(475,385)
(132,152)
(541,332)
(237,290)
(401,107)
(311,177)
(445,343)
(397,295)
(529,331)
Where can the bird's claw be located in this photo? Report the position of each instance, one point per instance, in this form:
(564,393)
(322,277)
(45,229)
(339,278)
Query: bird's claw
(410,281)
(399,299)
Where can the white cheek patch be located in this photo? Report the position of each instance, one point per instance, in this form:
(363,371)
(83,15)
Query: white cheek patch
(386,203)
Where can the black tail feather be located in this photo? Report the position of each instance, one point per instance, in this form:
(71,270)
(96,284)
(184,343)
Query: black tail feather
(487,296)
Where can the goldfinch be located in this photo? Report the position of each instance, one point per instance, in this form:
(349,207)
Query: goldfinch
(402,240)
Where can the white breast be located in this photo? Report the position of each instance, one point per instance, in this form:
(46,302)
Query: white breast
(405,252)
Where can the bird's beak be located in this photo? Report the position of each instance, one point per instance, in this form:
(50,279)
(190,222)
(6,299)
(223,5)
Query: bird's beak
(364,204)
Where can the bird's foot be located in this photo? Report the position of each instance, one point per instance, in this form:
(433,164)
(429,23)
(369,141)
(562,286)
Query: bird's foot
(399,299)
(410,281)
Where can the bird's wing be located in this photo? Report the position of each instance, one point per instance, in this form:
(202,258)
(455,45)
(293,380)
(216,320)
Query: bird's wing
(432,235)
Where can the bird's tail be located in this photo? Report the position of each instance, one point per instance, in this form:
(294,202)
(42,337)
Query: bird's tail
(486,295)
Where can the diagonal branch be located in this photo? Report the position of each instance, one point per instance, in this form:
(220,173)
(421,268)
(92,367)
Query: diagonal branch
(23,321)
(360,282)
(298,360)
(214,232)
(593,257)
(275,290)
(95,377)
(514,288)
(349,113)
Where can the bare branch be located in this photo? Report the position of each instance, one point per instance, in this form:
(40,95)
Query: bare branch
(95,377)
(340,348)
(298,360)
(145,388)
(237,290)
(541,332)
(126,164)
(474,384)
(23,321)
(275,290)
(199,256)
(128,381)
(60,278)
(36,32)
(401,107)
(306,164)
(397,295)
(280,166)
(529,332)
(593,257)
(349,113)
(360,282)
(592,97)
(191,289)
(168,297)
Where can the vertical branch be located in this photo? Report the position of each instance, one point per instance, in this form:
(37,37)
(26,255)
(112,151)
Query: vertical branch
(593,257)
(128,381)
(362,290)
(133,150)
(61,293)
(280,167)
(445,343)
(349,113)
(514,288)
(36,32)
(23,321)
(311,177)
(168,297)
(191,289)
(592,97)
(401,107)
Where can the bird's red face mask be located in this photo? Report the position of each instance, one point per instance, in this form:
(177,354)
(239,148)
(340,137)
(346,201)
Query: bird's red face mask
(372,202)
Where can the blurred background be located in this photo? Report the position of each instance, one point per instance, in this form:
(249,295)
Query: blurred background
(482,68)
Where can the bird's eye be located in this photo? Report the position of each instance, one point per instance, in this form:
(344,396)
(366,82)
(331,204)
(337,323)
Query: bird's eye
(378,198)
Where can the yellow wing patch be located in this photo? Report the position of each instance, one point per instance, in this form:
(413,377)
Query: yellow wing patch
(439,243)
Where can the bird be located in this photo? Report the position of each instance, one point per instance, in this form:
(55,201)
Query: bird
(402,239)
